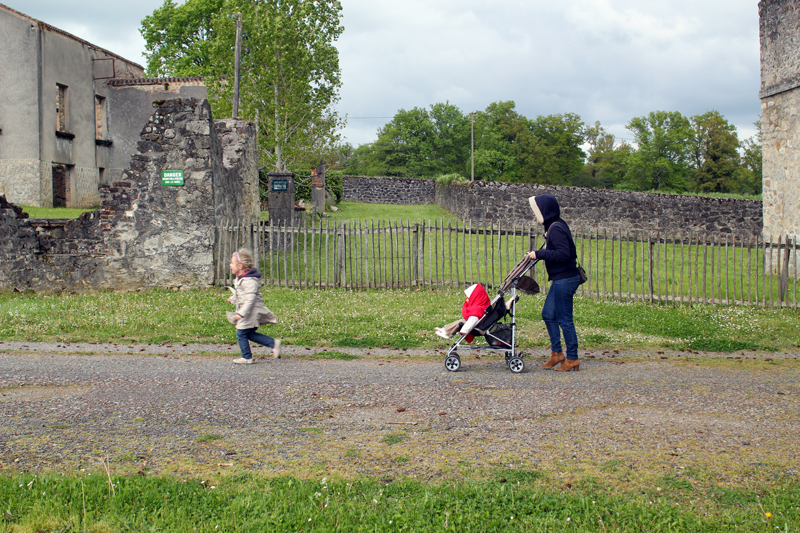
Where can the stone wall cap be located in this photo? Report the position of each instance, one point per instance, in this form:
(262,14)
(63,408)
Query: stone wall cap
(125,82)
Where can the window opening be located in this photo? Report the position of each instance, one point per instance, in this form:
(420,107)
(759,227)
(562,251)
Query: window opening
(100,126)
(61,107)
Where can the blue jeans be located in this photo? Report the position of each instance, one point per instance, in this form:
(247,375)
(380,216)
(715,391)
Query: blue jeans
(557,312)
(244,336)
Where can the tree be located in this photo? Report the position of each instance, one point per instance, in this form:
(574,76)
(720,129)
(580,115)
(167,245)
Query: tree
(419,143)
(290,75)
(557,156)
(750,173)
(664,140)
(715,153)
(606,162)
(178,38)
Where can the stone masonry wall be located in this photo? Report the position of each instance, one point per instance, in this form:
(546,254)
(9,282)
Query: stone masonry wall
(507,203)
(21,180)
(49,255)
(145,234)
(236,170)
(780,112)
(157,235)
(402,191)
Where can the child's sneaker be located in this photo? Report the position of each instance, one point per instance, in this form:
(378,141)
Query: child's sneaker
(276,350)
(243,361)
(441,333)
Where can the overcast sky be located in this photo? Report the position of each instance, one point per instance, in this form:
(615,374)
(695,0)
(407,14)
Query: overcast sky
(606,60)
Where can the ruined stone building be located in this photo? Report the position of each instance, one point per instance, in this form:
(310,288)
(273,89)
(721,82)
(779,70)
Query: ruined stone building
(70,113)
(780,113)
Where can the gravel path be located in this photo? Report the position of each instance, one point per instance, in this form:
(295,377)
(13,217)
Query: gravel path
(186,410)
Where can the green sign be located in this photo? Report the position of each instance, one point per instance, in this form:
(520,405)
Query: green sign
(280,185)
(172,178)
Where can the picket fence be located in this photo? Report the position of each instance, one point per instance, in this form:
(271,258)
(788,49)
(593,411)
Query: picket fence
(625,265)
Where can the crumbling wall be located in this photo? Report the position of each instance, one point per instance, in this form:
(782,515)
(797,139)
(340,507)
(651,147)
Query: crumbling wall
(49,255)
(147,233)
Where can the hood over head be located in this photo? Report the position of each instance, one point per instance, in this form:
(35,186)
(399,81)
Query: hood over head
(252,273)
(545,207)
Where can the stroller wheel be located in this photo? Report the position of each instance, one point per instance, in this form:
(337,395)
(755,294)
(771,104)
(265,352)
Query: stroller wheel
(516,365)
(452,363)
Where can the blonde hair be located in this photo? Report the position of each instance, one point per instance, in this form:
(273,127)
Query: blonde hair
(245,258)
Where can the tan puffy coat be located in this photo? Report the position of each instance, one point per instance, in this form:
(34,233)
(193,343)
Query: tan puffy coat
(249,304)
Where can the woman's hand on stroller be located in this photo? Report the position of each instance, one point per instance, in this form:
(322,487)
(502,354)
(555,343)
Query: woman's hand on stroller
(532,254)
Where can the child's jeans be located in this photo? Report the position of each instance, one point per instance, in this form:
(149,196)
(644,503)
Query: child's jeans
(244,336)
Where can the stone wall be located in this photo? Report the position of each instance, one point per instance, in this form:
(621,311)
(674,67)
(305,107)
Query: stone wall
(49,255)
(146,234)
(402,191)
(780,112)
(236,170)
(507,203)
(22,179)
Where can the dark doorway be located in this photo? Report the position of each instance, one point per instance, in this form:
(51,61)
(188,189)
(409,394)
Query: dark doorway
(60,185)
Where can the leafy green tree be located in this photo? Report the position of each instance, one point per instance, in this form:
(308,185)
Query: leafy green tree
(750,173)
(715,153)
(661,161)
(178,38)
(452,130)
(290,75)
(491,165)
(419,143)
(606,162)
(500,133)
(556,157)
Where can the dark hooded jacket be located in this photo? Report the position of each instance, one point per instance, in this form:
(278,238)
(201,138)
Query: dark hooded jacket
(559,254)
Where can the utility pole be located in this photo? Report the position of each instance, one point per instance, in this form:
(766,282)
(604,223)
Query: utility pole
(237,56)
(472,147)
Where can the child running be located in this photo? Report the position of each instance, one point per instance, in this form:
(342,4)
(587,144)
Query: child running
(250,311)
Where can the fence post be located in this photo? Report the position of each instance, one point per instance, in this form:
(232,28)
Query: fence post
(415,256)
(339,273)
(650,266)
(784,270)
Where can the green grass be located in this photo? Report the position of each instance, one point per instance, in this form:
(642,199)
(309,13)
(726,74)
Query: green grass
(398,318)
(55,212)
(352,211)
(209,437)
(393,438)
(514,501)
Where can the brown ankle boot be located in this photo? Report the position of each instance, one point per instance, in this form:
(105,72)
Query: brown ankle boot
(570,364)
(555,358)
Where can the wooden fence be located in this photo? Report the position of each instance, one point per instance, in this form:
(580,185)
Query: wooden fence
(685,268)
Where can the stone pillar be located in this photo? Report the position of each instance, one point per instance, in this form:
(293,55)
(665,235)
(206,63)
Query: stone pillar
(318,189)
(780,115)
(281,206)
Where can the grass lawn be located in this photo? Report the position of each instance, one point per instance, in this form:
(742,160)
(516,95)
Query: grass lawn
(512,501)
(55,212)
(398,318)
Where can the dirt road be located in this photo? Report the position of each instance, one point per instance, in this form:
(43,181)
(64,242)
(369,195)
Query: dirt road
(625,417)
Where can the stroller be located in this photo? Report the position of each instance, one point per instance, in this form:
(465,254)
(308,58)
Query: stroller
(499,336)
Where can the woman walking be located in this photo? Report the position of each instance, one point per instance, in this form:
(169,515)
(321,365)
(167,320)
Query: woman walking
(559,255)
